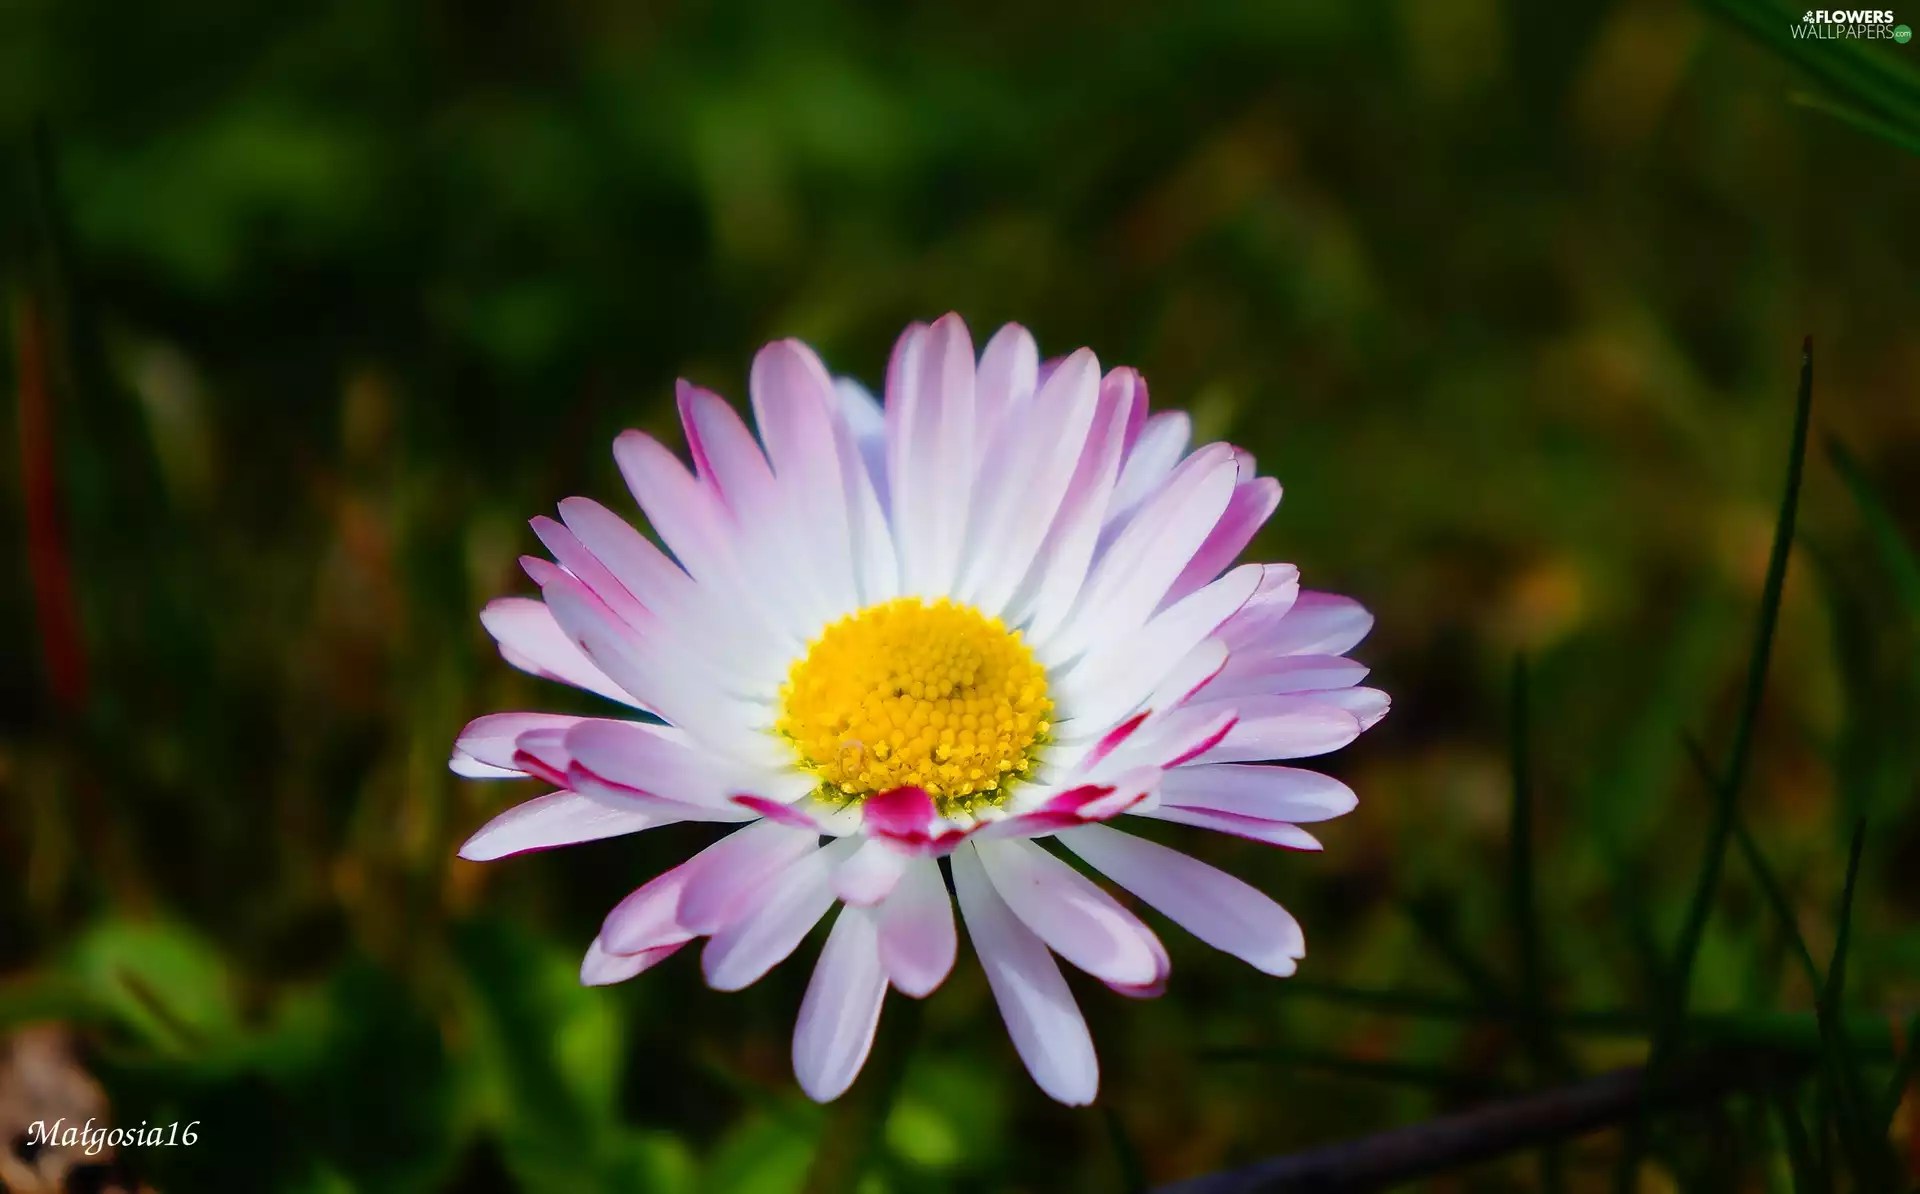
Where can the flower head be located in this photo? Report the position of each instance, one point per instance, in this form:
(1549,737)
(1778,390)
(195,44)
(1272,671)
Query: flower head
(993,613)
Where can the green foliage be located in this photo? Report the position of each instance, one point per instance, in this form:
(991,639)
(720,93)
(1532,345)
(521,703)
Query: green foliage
(1869,85)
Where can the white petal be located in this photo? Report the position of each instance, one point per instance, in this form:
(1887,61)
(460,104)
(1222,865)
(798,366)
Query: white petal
(1170,739)
(1254,500)
(1161,446)
(700,532)
(735,868)
(1211,904)
(1034,463)
(793,404)
(930,451)
(917,938)
(1251,675)
(616,796)
(1318,624)
(661,761)
(740,644)
(1074,917)
(1368,705)
(783,911)
(876,564)
(841,1009)
(870,874)
(1046,1026)
(1130,579)
(1114,678)
(1272,601)
(1282,727)
(649,664)
(1272,833)
(1009,373)
(1059,570)
(1274,793)
(466,766)
(589,570)
(556,819)
(649,918)
(494,738)
(532,641)
(1194,676)
(867,423)
(600,968)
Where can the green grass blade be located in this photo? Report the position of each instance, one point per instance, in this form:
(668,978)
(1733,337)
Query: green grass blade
(1522,891)
(1671,1025)
(1394,1073)
(1873,126)
(1133,1174)
(1843,936)
(1807,1178)
(1903,1072)
(1763,874)
(1896,555)
(1862,76)
(1549,1056)
(1871,1160)
(1720,832)
(1836,1051)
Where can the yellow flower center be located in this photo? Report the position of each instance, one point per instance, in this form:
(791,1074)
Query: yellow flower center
(936,696)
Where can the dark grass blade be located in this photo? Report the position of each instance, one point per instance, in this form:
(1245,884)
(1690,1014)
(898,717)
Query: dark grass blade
(1903,1072)
(1126,1157)
(1392,1073)
(1836,1050)
(1878,86)
(1807,1178)
(1785,1032)
(1450,1142)
(1523,894)
(1713,856)
(1874,606)
(1549,1057)
(1671,1027)
(1872,1161)
(1843,937)
(1422,1005)
(1433,916)
(1764,875)
(1895,554)
(1873,126)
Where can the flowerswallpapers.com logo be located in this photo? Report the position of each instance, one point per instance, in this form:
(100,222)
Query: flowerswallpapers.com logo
(1851,23)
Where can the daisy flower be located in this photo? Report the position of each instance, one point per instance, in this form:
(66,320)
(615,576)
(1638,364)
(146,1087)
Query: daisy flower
(985,619)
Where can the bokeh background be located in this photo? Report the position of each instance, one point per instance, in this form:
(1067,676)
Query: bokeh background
(312,306)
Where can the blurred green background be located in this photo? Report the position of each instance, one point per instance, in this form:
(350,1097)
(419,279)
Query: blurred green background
(313,305)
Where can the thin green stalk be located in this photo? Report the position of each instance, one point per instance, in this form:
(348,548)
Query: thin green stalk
(1523,909)
(1393,1073)
(1903,1072)
(1726,806)
(1672,1020)
(1434,920)
(1133,1174)
(1872,1162)
(1763,874)
(1807,1178)
(1890,545)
